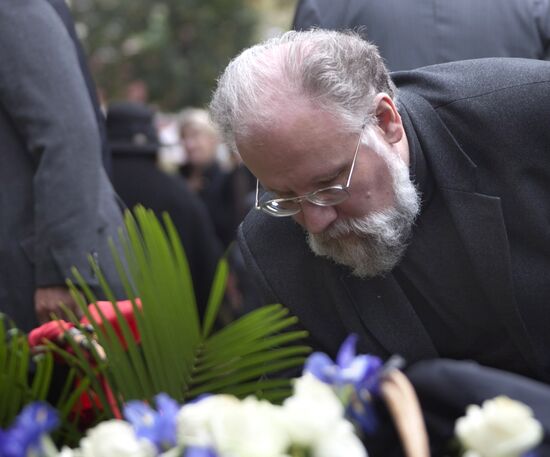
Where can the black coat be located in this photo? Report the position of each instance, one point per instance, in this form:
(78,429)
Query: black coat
(138,181)
(425,32)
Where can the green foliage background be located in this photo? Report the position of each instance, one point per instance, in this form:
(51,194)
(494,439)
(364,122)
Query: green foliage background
(177,47)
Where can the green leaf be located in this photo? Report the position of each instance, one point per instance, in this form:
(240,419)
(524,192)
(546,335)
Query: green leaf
(17,388)
(216,297)
(175,353)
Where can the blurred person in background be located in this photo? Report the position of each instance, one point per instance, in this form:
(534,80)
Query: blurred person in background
(135,145)
(56,202)
(171,154)
(137,91)
(228,193)
(437,31)
(201,142)
(226,189)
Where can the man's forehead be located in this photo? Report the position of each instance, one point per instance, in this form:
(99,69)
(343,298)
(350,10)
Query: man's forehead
(297,127)
(284,161)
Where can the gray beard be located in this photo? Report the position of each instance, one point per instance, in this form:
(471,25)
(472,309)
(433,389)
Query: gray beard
(372,245)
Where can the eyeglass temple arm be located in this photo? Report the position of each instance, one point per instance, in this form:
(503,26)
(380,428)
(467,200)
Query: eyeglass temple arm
(257,204)
(348,182)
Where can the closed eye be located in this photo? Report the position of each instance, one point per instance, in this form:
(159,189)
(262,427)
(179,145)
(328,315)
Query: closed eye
(331,181)
(318,184)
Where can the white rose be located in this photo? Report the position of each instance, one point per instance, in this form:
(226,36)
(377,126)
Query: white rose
(252,428)
(68,452)
(115,438)
(312,411)
(193,420)
(471,454)
(340,441)
(501,428)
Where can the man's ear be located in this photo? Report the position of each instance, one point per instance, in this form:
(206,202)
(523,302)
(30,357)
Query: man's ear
(389,120)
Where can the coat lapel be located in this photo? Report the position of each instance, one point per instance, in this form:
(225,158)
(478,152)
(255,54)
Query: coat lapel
(379,307)
(477,217)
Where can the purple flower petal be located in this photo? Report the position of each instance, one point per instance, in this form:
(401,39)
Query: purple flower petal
(159,427)
(138,413)
(346,354)
(166,427)
(356,370)
(166,405)
(361,372)
(364,415)
(39,416)
(196,451)
(371,378)
(23,437)
(321,366)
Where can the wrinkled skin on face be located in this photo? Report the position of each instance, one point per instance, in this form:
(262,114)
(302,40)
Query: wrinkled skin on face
(307,149)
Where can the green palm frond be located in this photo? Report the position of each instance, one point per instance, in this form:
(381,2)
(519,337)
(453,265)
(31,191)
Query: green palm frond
(178,354)
(25,377)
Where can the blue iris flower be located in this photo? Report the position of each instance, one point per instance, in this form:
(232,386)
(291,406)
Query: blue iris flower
(157,426)
(360,372)
(24,436)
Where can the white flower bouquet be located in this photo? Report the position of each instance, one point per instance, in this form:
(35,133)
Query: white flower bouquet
(501,427)
(157,343)
(311,422)
(329,409)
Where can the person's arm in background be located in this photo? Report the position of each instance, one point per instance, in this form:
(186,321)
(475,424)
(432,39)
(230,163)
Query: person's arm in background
(62,9)
(327,14)
(542,13)
(44,94)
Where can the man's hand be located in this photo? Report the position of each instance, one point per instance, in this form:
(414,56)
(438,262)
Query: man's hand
(47,300)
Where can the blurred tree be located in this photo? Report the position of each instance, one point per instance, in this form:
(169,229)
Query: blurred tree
(167,51)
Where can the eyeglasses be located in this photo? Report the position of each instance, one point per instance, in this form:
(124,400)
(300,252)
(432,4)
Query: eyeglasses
(327,196)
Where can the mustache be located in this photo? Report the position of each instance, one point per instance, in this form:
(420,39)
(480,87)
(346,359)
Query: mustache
(386,224)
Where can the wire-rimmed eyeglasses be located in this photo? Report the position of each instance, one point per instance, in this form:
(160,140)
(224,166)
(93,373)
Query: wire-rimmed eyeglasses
(327,196)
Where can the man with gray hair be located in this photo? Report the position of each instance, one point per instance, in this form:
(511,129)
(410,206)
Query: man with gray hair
(424,197)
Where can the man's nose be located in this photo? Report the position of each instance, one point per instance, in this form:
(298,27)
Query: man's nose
(315,218)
